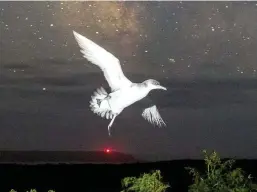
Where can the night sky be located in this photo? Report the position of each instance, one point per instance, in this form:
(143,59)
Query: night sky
(205,53)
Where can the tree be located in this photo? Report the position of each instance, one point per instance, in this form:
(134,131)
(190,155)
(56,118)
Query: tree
(148,182)
(220,177)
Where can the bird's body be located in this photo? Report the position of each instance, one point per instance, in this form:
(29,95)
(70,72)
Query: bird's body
(126,96)
(123,92)
(118,100)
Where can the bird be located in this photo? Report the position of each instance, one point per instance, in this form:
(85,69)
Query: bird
(123,92)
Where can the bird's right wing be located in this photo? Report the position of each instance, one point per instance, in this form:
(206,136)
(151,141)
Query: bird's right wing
(108,63)
(152,115)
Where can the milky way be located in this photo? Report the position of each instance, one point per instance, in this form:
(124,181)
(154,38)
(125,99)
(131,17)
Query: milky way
(205,52)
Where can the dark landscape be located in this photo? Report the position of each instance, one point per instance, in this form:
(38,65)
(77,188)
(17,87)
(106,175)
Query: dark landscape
(36,157)
(92,171)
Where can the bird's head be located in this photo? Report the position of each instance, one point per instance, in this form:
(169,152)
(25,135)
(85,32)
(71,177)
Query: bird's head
(153,84)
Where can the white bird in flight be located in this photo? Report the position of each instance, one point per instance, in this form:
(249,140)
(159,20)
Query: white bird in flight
(123,92)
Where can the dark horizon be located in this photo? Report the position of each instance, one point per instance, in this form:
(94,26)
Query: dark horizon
(93,157)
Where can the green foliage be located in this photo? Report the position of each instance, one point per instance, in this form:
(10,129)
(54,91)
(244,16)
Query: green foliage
(220,177)
(148,182)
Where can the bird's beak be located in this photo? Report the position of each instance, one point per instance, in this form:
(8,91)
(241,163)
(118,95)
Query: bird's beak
(161,87)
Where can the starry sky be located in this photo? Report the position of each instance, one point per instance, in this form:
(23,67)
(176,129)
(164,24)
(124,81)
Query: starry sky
(205,53)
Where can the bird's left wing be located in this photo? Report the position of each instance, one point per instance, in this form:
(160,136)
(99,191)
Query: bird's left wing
(108,63)
(152,115)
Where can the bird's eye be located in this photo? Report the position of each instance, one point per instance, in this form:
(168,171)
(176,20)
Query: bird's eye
(155,82)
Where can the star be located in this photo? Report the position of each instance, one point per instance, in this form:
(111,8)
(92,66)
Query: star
(171,60)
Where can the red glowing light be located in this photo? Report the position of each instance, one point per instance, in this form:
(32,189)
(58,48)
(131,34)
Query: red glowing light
(107,150)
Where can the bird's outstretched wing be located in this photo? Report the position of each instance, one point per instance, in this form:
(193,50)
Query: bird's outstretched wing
(108,63)
(152,115)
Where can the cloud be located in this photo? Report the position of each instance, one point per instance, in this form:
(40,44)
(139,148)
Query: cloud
(12,66)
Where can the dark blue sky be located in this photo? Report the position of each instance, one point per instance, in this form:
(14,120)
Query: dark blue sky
(204,52)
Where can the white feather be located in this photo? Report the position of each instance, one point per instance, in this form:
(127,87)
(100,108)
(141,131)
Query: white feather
(99,104)
(152,115)
(108,63)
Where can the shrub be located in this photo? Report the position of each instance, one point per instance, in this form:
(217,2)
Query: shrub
(220,177)
(148,182)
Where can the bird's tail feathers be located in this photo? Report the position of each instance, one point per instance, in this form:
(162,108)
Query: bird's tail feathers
(100,93)
(99,104)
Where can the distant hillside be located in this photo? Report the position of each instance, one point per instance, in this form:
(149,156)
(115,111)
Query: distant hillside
(65,157)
